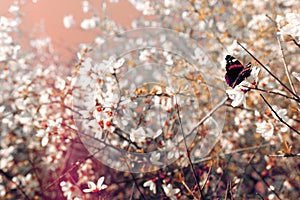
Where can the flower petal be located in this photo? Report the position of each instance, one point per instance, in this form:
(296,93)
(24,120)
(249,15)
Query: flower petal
(100,182)
(103,186)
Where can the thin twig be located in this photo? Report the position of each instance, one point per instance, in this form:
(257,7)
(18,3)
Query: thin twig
(285,66)
(188,155)
(209,114)
(232,152)
(296,43)
(208,174)
(277,79)
(194,129)
(77,164)
(132,191)
(280,119)
(187,187)
(134,180)
(228,191)
(285,155)
(283,56)
(265,182)
(272,92)
(248,163)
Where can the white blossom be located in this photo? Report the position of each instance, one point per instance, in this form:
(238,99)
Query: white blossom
(69,21)
(91,23)
(289,26)
(138,135)
(266,129)
(151,184)
(170,191)
(86,6)
(92,187)
(237,96)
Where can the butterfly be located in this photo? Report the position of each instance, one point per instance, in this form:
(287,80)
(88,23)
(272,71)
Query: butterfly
(235,71)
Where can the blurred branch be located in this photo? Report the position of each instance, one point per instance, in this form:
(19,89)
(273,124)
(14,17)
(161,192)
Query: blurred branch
(208,174)
(232,152)
(296,43)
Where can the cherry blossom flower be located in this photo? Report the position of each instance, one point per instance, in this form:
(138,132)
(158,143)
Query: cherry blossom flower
(237,95)
(266,129)
(144,55)
(69,21)
(92,187)
(67,189)
(253,78)
(2,190)
(138,135)
(155,157)
(170,191)
(14,9)
(151,184)
(85,6)
(32,105)
(6,160)
(91,23)
(114,68)
(86,77)
(289,26)
(147,7)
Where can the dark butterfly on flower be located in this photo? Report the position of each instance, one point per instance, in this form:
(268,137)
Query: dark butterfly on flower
(235,71)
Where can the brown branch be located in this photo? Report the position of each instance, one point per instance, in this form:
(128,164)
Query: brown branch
(188,155)
(280,119)
(296,43)
(265,68)
(285,67)
(275,93)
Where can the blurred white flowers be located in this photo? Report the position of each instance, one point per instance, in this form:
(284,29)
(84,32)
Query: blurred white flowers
(266,129)
(69,21)
(86,6)
(289,26)
(95,188)
(138,135)
(91,23)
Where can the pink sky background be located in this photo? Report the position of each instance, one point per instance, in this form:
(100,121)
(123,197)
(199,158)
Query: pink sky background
(51,14)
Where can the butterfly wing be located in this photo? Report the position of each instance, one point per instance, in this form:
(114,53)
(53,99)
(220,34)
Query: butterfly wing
(233,69)
(242,75)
